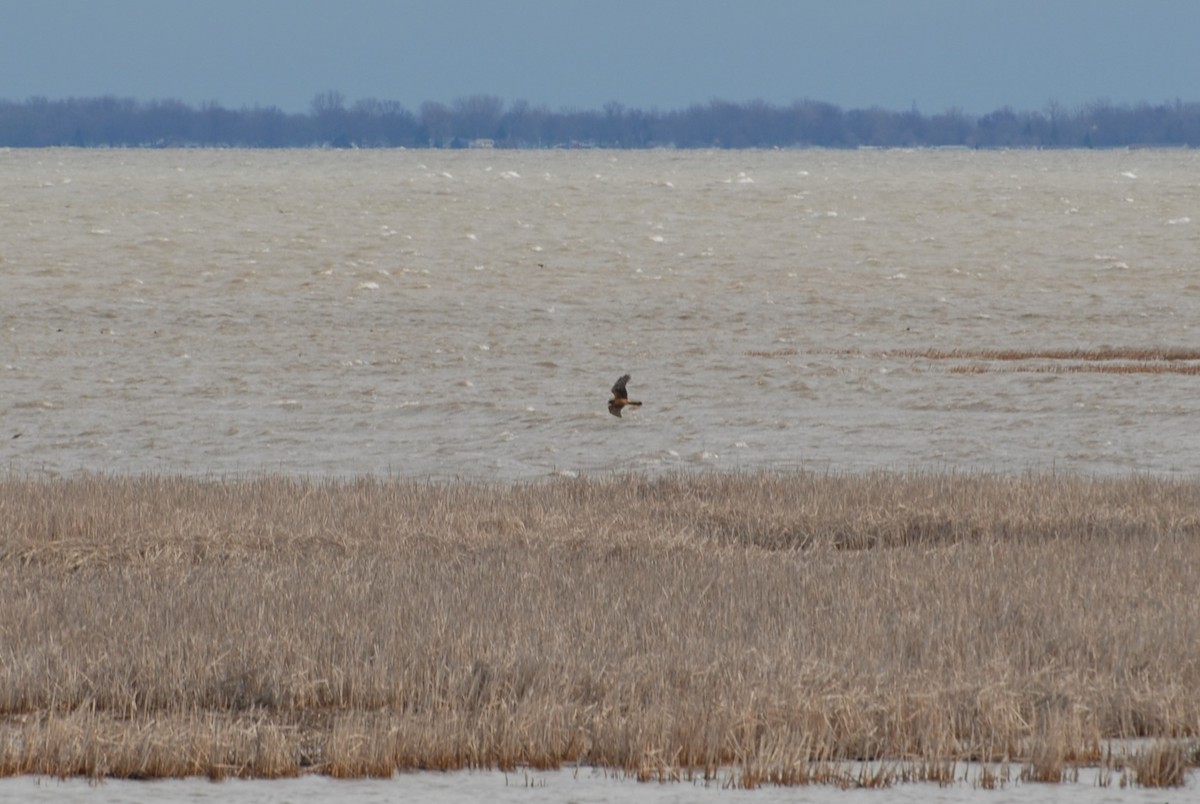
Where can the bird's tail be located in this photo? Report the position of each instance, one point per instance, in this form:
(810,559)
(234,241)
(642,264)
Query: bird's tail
(634,402)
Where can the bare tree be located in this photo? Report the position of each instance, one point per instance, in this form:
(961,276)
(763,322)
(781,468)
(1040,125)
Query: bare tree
(330,102)
(478,116)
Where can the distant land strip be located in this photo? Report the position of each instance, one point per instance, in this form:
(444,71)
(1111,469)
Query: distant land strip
(486,121)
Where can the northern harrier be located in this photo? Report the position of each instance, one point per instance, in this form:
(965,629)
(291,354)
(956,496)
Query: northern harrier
(620,397)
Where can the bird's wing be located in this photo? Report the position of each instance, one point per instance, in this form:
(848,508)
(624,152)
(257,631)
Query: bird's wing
(618,390)
(614,409)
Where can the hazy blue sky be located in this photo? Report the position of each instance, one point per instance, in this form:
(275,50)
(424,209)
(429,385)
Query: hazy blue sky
(977,55)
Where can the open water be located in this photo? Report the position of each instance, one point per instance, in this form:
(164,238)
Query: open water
(463,314)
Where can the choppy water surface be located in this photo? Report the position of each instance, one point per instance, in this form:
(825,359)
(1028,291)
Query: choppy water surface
(463,314)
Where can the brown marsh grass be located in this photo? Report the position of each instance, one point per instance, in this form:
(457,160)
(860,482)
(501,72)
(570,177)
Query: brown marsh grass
(1110,360)
(1126,353)
(775,628)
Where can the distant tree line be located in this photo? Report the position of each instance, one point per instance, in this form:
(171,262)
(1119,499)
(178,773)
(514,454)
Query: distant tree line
(485,120)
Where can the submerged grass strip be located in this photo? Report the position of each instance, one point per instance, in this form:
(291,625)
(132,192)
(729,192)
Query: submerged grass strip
(1127,353)
(1189,369)
(1110,360)
(774,624)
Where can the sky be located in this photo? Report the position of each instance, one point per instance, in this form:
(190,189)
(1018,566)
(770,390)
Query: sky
(971,55)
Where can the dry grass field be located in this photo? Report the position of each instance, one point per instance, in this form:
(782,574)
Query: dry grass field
(775,628)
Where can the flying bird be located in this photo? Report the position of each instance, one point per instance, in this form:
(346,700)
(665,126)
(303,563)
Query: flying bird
(620,397)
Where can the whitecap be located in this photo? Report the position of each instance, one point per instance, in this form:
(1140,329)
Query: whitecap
(1177,221)
(368,286)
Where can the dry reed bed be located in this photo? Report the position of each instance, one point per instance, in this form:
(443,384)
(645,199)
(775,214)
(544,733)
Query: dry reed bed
(1109,360)
(1187,369)
(1110,353)
(778,625)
